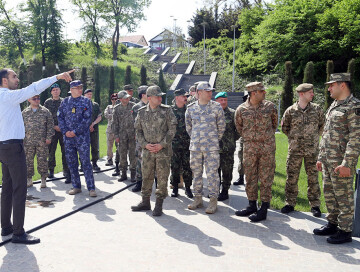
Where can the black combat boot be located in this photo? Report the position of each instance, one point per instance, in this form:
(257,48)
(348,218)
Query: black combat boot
(158,207)
(188,192)
(155,182)
(51,174)
(95,166)
(248,210)
(144,205)
(240,180)
(175,191)
(123,176)
(340,237)
(261,213)
(117,170)
(137,187)
(224,194)
(133,175)
(328,229)
(109,162)
(68,177)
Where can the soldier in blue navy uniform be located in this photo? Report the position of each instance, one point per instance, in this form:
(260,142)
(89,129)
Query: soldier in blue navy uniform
(74,118)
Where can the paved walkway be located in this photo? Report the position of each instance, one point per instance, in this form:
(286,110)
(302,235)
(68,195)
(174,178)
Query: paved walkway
(109,237)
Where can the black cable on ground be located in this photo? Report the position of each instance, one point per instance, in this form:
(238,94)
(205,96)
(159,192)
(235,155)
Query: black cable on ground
(72,212)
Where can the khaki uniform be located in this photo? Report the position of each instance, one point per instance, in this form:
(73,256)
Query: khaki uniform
(257,128)
(340,145)
(94,136)
(303,128)
(123,128)
(155,126)
(110,136)
(39,127)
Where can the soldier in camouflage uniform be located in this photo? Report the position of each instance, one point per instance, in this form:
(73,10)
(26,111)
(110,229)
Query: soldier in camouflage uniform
(123,128)
(205,123)
(193,95)
(138,150)
(155,128)
(130,91)
(110,137)
(338,156)
(227,146)
(303,123)
(256,121)
(94,130)
(180,159)
(53,104)
(39,128)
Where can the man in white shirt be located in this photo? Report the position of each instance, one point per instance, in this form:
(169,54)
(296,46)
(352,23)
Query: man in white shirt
(12,155)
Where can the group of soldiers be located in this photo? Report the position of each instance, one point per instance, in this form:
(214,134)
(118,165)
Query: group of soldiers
(196,133)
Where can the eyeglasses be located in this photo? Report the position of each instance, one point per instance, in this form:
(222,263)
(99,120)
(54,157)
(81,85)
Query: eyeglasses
(35,98)
(113,98)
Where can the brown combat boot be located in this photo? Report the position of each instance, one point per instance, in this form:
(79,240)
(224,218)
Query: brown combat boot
(158,207)
(212,206)
(198,203)
(144,205)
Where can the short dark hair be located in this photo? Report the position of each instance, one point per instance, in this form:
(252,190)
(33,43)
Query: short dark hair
(4,73)
(347,83)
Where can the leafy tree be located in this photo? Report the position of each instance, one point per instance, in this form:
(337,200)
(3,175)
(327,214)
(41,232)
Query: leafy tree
(351,70)
(143,77)
(97,85)
(128,75)
(197,30)
(329,71)
(309,73)
(287,95)
(84,77)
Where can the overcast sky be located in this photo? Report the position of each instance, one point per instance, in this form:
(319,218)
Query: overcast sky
(157,17)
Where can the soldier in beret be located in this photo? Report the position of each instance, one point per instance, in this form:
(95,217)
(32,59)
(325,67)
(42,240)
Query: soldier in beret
(338,156)
(130,90)
(155,128)
(180,159)
(303,123)
(256,121)
(227,146)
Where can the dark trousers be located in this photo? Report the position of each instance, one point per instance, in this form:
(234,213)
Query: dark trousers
(14,187)
(58,137)
(94,144)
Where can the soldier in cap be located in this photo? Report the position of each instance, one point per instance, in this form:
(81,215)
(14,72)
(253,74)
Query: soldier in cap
(303,123)
(155,128)
(53,104)
(94,130)
(39,129)
(205,124)
(227,146)
(180,159)
(338,156)
(123,127)
(74,116)
(130,91)
(256,121)
(110,137)
(193,95)
(138,150)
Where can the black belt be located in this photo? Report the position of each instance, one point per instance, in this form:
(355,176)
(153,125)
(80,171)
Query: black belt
(12,141)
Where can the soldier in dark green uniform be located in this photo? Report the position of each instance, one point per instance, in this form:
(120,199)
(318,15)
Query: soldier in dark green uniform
(53,104)
(227,146)
(94,130)
(130,90)
(180,145)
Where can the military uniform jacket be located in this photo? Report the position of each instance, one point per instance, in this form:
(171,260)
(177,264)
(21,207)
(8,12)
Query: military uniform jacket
(136,108)
(134,100)
(303,128)
(156,126)
(340,142)
(258,124)
(181,139)
(123,121)
(74,114)
(231,135)
(205,127)
(108,113)
(39,125)
(53,106)
(95,114)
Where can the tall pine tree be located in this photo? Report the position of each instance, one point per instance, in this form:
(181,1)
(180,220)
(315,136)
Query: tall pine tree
(143,76)
(287,95)
(309,73)
(162,85)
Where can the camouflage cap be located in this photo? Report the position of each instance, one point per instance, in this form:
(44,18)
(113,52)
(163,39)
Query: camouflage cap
(123,94)
(255,86)
(192,89)
(221,95)
(204,85)
(154,91)
(180,92)
(128,87)
(338,77)
(302,88)
(142,90)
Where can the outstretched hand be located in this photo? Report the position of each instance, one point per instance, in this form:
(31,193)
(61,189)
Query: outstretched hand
(65,76)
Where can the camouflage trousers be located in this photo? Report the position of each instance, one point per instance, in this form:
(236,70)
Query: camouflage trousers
(127,146)
(259,165)
(180,164)
(293,166)
(339,197)
(226,168)
(240,156)
(94,144)
(58,137)
(138,155)
(211,161)
(42,152)
(155,163)
(110,139)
